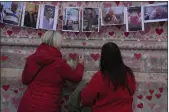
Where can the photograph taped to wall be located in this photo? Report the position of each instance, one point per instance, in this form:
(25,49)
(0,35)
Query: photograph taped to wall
(1,11)
(12,12)
(90,19)
(156,12)
(134,20)
(113,16)
(48,17)
(30,15)
(71,19)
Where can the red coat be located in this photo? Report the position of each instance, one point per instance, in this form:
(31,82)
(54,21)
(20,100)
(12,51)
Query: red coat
(100,95)
(44,92)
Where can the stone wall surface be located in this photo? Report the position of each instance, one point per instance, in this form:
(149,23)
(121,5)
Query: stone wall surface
(144,51)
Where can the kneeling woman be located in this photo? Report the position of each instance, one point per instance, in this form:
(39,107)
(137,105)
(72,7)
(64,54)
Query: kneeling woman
(112,88)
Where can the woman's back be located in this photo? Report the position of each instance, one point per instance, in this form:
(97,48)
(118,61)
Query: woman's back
(107,99)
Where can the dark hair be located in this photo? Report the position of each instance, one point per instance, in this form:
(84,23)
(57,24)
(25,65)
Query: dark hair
(112,66)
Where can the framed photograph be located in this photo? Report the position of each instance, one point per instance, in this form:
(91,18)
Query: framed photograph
(113,16)
(90,19)
(30,15)
(48,17)
(12,12)
(71,19)
(134,20)
(1,11)
(156,12)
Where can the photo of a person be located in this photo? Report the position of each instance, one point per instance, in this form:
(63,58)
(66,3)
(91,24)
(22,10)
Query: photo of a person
(113,16)
(1,11)
(90,19)
(134,19)
(12,12)
(30,16)
(156,12)
(49,15)
(71,19)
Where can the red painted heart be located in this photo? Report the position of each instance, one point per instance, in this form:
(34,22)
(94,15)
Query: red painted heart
(6,87)
(3,58)
(151,2)
(73,56)
(76,33)
(137,55)
(9,32)
(16,91)
(83,43)
(159,31)
(149,97)
(151,91)
(111,33)
(158,95)
(2,26)
(40,34)
(140,97)
(126,34)
(88,34)
(117,3)
(162,23)
(107,5)
(95,56)
(140,105)
(161,90)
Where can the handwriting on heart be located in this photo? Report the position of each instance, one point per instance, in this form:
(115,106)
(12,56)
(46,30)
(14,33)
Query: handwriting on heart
(73,56)
(161,90)
(149,97)
(95,56)
(158,95)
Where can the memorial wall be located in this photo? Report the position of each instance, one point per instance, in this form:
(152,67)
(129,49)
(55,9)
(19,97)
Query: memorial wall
(144,51)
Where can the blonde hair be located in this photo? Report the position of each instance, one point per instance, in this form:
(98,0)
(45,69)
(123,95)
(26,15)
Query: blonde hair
(52,38)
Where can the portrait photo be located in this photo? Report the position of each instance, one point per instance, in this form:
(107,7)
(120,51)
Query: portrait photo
(71,19)
(134,20)
(12,12)
(90,19)
(1,11)
(30,16)
(156,12)
(48,17)
(113,16)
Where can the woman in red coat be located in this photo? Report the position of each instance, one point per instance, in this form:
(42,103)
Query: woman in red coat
(112,88)
(44,74)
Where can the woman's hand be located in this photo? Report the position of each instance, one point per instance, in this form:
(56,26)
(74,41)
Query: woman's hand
(81,59)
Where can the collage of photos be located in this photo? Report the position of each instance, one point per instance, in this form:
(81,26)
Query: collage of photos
(156,12)
(134,19)
(48,17)
(11,12)
(113,16)
(90,19)
(30,15)
(44,16)
(71,19)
